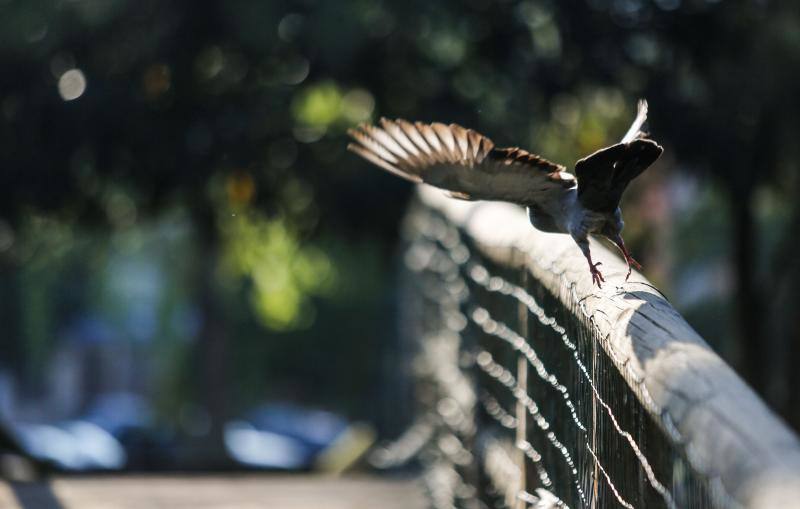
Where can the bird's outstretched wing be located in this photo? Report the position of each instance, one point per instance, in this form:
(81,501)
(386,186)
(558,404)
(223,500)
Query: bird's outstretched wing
(604,175)
(459,160)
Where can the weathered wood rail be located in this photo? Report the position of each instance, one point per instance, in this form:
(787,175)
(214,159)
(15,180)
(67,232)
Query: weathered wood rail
(651,415)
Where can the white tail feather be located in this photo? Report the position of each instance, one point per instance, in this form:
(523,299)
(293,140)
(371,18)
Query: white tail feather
(636,127)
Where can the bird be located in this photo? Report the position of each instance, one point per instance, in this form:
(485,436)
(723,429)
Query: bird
(469,166)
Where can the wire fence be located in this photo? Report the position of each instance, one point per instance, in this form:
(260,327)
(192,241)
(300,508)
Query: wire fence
(521,402)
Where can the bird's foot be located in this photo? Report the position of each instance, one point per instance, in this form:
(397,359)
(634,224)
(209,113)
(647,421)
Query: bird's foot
(597,277)
(632,264)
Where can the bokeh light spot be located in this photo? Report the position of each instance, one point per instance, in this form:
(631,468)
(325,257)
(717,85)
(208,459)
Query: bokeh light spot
(210,62)
(6,236)
(240,188)
(357,105)
(294,70)
(448,48)
(318,105)
(308,134)
(156,80)
(282,153)
(72,84)
(566,109)
(290,27)
(120,209)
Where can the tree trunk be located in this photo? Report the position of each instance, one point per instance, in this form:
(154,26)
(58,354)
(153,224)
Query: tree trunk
(784,324)
(753,357)
(211,380)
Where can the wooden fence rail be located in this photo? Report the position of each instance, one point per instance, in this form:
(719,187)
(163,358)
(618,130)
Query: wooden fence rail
(536,387)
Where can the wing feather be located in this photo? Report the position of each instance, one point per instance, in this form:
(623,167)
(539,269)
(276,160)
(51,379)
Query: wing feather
(475,140)
(462,142)
(391,143)
(446,137)
(604,175)
(397,133)
(375,159)
(436,150)
(459,160)
(413,134)
(369,143)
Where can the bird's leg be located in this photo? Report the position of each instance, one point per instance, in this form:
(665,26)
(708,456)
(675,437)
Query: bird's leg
(597,277)
(632,264)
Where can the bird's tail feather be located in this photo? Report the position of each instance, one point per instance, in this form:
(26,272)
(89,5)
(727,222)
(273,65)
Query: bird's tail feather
(636,127)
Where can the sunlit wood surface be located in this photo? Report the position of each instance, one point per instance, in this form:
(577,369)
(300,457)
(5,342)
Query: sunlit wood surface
(214,491)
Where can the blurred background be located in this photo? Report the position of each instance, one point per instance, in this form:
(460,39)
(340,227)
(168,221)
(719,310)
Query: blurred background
(195,274)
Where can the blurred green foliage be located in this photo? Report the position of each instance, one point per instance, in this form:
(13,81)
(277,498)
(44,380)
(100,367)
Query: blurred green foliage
(285,274)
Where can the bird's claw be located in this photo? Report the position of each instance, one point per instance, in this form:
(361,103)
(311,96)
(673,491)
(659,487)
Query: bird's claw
(597,277)
(632,264)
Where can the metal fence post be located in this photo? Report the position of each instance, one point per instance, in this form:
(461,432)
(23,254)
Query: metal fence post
(522,383)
